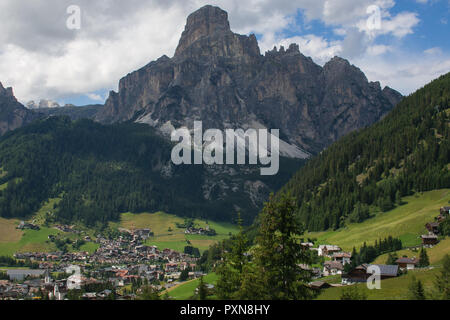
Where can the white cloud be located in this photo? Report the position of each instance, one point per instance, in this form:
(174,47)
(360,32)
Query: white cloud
(433,51)
(404,74)
(310,45)
(377,50)
(41,58)
(399,26)
(95,97)
(90,61)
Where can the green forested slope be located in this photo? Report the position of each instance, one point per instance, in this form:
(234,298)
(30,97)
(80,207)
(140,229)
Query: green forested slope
(372,169)
(98,170)
(101,171)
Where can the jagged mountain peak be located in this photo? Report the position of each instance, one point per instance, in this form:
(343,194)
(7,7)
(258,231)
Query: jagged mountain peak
(208,33)
(6,91)
(208,20)
(205,22)
(338,64)
(338,60)
(12,113)
(339,68)
(293,49)
(221,78)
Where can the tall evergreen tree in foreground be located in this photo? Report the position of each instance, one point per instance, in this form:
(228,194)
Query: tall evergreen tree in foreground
(424,261)
(353,293)
(202,290)
(231,270)
(443,279)
(392,257)
(277,272)
(149,293)
(416,290)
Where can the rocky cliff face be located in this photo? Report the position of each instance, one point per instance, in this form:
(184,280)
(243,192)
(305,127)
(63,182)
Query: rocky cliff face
(12,114)
(221,78)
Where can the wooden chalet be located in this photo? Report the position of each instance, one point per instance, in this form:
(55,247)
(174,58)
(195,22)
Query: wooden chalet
(361,274)
(429,239)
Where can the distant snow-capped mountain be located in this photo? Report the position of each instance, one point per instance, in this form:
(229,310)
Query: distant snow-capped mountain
(43,104)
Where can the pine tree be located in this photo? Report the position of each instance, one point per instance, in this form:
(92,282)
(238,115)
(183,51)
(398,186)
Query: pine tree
(442,281)
(278,254)
(202,290)
(184,275)
(416,290)
(353,293)
(398,198)
(253,285)
(230,272)
(424,261)
(392,257)
(149,293)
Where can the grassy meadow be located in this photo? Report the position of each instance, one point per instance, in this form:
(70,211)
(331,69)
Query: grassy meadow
(406,222)
(391,289)
(435,254)
(166,233)
(186,290)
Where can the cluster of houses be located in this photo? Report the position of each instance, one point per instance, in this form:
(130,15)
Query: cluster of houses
(49,259)
(126,259)
(138,234)
(40,285)
(67,228)
(338,259)
(166,264)
(431,239)
(361,273)
(25,225)
(124,251)
(118,262)
(202,231)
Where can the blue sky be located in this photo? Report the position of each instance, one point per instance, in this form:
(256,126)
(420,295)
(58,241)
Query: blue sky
(433,29)
(42,59)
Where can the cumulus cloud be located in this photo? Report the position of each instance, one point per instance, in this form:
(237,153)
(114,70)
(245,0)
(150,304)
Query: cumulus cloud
(313,46)
(41,58)
(377,50)
(95,97)
(405,75)
(433,51)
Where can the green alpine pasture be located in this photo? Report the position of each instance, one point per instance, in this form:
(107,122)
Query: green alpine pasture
(30,241)
(185,290)
(435,254)
(406,222)
(391,289)
(166,233)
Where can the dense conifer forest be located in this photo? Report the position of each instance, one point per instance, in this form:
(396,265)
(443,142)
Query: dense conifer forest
(100,171)
(370,170)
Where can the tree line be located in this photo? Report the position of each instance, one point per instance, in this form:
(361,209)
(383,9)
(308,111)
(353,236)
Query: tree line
(372,169)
